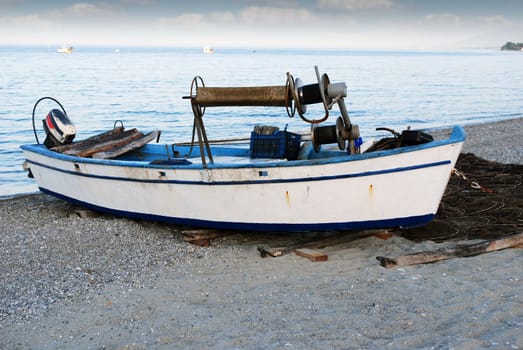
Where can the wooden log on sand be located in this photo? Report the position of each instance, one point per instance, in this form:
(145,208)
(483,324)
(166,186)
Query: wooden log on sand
(202,237)
(317,243)
(312,254)
(456,252)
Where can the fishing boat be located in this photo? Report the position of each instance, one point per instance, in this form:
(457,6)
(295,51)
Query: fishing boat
(65,49)
(278,180)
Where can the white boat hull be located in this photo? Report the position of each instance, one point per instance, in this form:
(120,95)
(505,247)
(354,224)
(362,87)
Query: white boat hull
(397,188)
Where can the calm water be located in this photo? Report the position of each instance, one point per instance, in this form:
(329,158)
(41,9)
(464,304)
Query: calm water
(144,88)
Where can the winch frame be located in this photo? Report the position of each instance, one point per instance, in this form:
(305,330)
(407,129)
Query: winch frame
(294,96)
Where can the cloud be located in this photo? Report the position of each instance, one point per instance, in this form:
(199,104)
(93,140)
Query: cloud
(252,15)
(255,14)
(252,25)
(220,17)
(273,23)
(86,9)
(272,3)
(31,29)
(198,19)
(188,19)
(498,19)
(352,5)
(138,2)
(442,19)
(27,21)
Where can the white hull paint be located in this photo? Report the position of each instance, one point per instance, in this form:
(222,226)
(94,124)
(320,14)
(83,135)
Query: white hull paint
(401,187)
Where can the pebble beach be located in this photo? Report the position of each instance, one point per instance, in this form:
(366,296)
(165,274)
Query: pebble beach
(103,282)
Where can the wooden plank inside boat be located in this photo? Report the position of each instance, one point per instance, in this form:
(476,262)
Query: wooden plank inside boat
(88,142)
(120,139)
(124,148)
(109,144)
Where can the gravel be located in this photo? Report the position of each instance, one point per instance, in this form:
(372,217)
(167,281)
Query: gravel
(49,254)
(500,142)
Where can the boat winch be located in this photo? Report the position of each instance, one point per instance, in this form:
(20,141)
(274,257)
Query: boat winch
(294,96)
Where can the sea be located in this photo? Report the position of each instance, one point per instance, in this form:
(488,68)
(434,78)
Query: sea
(144,88)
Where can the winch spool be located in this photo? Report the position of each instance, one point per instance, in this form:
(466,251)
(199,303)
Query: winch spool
(324,135)
(277,96)
(294,95)
(309,94)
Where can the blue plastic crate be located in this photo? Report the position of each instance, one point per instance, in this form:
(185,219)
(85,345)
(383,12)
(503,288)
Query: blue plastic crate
(281,144)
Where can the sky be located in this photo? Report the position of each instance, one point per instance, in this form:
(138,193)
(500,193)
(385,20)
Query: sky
(257,24)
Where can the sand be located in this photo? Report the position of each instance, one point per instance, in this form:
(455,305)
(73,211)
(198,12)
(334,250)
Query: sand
(111,283)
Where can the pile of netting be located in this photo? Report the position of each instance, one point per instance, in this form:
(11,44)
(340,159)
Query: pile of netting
(483,200)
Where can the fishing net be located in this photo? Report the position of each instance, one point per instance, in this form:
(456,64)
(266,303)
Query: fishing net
(483,200)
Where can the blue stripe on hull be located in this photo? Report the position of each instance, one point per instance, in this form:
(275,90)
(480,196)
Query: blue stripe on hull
(411,221)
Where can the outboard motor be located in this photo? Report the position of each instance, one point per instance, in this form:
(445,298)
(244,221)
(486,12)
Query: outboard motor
(59,130)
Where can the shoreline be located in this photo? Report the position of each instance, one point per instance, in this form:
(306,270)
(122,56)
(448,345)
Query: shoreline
(105,282)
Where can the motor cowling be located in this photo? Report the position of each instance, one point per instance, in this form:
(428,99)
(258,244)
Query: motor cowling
(59,129)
